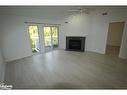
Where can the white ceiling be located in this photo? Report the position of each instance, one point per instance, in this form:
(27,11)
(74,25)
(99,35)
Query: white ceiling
(49,12)
(37,11)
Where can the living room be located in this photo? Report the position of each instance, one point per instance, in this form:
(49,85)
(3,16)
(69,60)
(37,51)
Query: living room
(63,64)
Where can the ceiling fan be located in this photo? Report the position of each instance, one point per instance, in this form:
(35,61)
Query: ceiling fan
(85,10)
(80,10)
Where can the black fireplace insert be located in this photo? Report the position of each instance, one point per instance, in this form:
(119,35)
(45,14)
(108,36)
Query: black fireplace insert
(75,43)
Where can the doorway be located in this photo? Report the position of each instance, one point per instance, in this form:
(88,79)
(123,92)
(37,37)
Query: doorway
(51,36)
(114,38)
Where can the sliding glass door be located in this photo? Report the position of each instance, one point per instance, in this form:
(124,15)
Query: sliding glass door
(43,41)
(55,37)
(34,38)
(50,37)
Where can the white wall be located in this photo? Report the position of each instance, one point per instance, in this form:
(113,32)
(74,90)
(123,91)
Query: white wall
(2,68)
(94,26)
(97,35)
(78,25)
(2,63)
(101,25)
(15,43)
(15,36)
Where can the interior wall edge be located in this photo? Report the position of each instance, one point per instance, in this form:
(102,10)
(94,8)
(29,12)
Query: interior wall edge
(123,48)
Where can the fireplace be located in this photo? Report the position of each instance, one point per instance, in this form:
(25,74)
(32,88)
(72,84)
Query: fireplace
(75,43)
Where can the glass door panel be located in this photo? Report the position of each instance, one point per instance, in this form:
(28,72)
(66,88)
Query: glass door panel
(54,37)
(47,38)
(34,38)
(50,37)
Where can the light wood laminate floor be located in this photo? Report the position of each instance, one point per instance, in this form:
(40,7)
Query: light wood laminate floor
(60,69)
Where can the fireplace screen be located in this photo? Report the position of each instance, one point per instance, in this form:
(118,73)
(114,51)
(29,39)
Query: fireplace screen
(75,43)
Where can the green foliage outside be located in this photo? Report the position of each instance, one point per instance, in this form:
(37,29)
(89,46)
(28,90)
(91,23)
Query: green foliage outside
(34,38)
(48,35)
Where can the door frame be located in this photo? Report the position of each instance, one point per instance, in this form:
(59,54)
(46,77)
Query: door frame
(41,36)
(108,32)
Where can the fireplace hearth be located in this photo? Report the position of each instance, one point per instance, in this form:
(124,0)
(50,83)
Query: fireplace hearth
(75,43)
